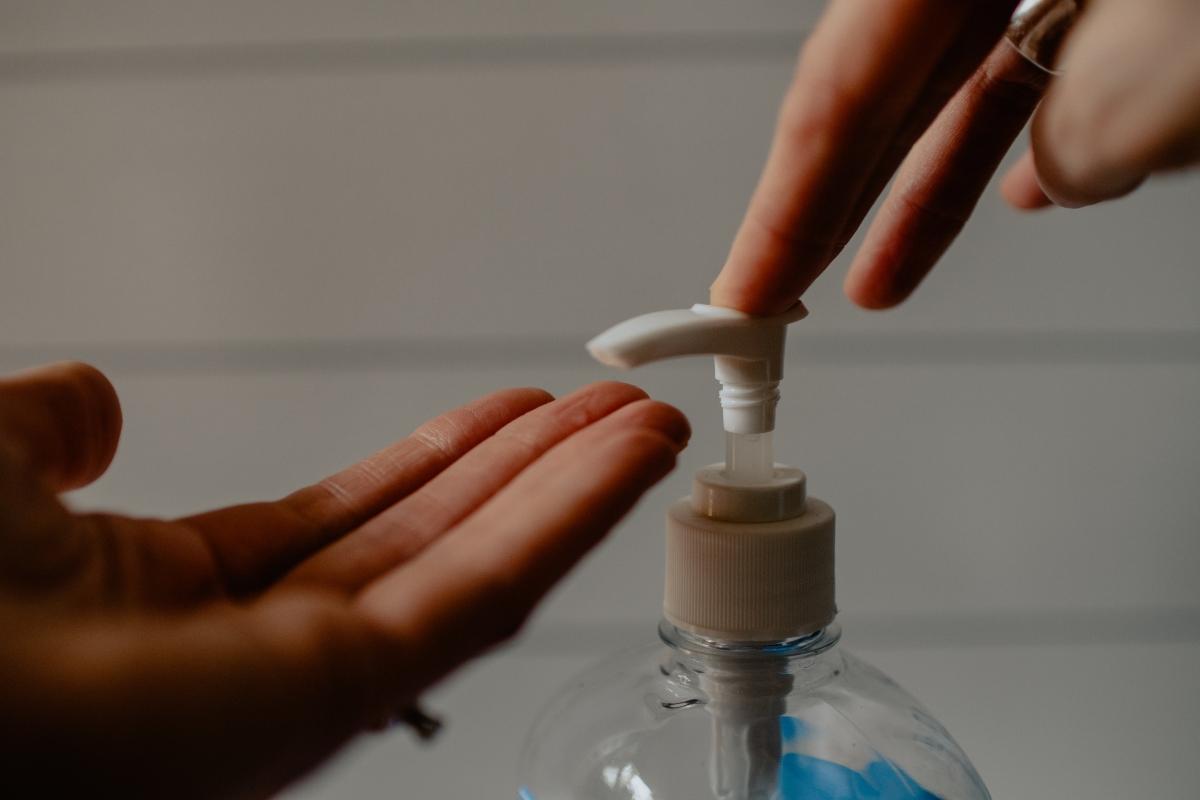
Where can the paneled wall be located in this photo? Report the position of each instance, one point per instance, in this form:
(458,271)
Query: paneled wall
(290,231)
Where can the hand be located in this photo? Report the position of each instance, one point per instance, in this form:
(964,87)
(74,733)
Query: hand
(927,87)
(223,654)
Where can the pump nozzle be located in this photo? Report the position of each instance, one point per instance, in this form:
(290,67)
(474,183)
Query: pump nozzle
(748,354)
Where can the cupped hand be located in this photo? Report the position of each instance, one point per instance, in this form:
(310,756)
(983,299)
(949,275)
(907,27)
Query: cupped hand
(225,653)
(928,92)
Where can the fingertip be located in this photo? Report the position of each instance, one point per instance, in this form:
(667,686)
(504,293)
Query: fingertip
(660,417)
(1021,198)
(678,428)
(534,394)
(653,452)
(72,420)
(100,398)
(760,303)
(1020,186)
(720,294)
(871,300)
(868,291)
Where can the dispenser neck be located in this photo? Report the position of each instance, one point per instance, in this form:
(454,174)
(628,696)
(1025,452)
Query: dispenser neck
(801,647)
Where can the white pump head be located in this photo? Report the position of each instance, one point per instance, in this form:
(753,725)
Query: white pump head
(748,354)
(749,554)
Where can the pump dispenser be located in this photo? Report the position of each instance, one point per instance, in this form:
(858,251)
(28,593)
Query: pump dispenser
(749,555)
(748,696)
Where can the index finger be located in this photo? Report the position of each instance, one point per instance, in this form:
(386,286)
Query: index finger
(861,73)
(256,543)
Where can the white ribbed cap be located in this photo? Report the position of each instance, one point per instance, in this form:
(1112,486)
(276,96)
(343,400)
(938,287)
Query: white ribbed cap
(767,577)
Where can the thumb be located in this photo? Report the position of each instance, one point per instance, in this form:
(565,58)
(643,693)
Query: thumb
(63,420)
(1127,105)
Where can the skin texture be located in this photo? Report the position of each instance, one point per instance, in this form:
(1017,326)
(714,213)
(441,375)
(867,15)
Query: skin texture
(224,654)
(927,91)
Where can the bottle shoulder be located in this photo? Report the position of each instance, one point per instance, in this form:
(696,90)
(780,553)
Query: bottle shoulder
(668,720)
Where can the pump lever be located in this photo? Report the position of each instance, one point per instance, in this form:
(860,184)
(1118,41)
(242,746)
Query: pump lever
(699,330)
(747,354)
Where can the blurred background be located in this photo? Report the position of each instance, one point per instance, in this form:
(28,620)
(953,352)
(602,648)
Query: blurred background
(290,230)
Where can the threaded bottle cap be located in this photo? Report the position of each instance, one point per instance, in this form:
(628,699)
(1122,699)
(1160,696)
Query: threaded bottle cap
(750,563)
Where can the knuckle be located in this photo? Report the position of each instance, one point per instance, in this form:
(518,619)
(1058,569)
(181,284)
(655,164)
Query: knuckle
(521,442)
(786,240)
(438,436)
(944,218)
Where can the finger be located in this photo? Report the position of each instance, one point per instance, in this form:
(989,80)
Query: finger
(232,702)
(1020,186)
(64,421)
(477,584)
(256,543)
(943,177)
(861,73)
(1127,105)
(401,531)
(960,62)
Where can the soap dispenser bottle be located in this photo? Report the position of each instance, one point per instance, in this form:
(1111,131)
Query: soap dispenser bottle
(747,695)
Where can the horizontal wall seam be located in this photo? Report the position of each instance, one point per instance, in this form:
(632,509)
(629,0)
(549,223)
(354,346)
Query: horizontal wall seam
(387,54)
(954,348)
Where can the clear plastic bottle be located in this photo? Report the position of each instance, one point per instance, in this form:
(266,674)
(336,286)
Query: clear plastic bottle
(748,696)
(695,719)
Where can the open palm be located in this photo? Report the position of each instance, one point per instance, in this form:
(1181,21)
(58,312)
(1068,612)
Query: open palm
(227,652)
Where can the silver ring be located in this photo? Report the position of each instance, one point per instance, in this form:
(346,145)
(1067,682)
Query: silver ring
(1039,27)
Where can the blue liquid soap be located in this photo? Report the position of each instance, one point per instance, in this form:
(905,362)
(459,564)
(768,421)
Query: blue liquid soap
(807,778)
(803,777)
